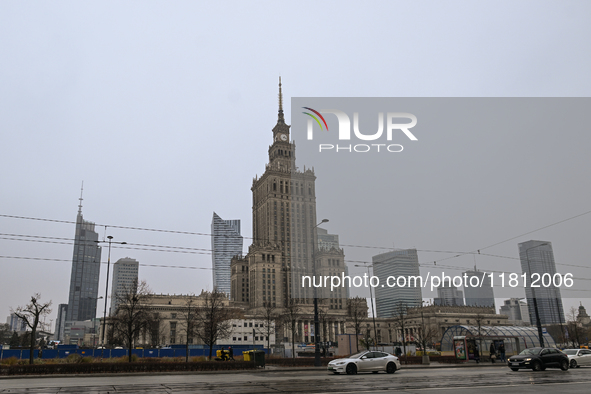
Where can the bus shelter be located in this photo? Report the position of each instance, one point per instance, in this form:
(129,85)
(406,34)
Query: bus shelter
(463,340)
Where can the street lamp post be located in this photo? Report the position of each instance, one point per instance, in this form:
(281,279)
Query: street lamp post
(317,362)
(538,322)
(110,238)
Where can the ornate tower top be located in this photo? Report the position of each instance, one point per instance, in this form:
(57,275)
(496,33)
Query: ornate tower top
(280,119)
(281,130)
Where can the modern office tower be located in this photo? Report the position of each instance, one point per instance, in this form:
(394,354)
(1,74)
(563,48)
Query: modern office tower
(86,264)
(60,322)
(15,323)
(481,294)
(516,310)
(448,294)
(537,258)
(226,242)
(389,300)
(125,274)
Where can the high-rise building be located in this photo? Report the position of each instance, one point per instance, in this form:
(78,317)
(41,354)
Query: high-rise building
(448,294)
(86,264)
(125,274)
(537,260)
(226,242)
(15,323)
(60,322)
(516,310)
(481,295)
(389,300)
(285,243)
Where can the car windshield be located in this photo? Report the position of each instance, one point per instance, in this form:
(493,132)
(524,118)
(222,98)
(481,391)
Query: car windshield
(358,355)
(572,352)
(529,352)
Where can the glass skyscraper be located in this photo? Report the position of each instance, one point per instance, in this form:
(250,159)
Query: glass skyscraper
(226,242)
(84,279)
(389,300)
(538,257)
(482,295)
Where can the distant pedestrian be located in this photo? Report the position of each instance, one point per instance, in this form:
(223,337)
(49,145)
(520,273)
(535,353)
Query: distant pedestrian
(493,353)
(476,354)
(231,351)
(398,351)
(223,354)
(502,351)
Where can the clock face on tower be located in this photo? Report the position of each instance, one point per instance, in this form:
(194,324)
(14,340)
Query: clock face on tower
(283,137)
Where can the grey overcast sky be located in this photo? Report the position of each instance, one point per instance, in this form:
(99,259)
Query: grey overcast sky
(165,109)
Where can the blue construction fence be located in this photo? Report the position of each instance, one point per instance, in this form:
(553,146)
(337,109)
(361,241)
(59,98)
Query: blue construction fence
(108,353)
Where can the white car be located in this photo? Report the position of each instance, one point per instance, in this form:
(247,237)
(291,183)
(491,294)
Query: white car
(578,357)
(367,361)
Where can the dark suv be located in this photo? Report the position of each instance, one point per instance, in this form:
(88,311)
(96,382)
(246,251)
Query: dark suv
(538,359)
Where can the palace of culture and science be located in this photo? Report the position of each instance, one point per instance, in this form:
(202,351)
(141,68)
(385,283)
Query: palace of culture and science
(285,243)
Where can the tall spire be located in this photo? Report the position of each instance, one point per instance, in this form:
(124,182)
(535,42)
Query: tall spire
(80,205)
(280,118)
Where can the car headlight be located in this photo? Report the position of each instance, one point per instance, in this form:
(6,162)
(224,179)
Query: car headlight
(528,359)
(340,363)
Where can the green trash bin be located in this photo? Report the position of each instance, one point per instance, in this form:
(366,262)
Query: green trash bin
(259,357)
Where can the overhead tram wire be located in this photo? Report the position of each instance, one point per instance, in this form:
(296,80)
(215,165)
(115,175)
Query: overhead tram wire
(104,262)
(476,251)
(188,250)
(519,236)
(210,268)
(457,254)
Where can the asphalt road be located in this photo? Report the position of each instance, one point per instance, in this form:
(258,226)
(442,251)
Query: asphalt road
(425,380)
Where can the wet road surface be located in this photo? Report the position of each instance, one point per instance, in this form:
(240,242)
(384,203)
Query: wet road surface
(463,380)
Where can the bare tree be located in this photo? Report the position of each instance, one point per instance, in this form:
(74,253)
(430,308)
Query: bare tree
(479,319)
(5,333)
(188,322)
(268,315)
(30,314)
(291,315)
(575,330)
(399,320)
(131,316)
(213,318)
(424,336)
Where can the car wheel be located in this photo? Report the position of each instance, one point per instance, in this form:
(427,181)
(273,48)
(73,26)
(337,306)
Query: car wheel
(336,373)
(536,366)
(375,371)
(390,368)
(351,369)
(573,363)
(564,365)
(514,369)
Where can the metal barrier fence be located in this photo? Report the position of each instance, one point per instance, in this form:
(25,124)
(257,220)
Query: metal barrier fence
(109,353)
